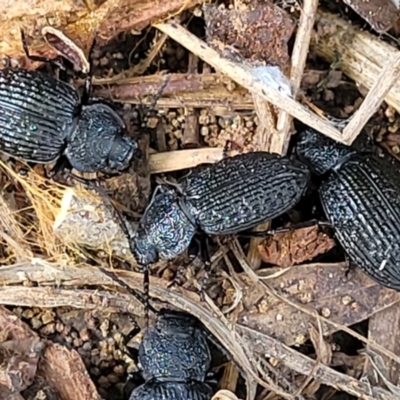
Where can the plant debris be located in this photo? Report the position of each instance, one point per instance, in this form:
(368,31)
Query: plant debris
(69,331)
(382,15)
(258,31)
(294,247)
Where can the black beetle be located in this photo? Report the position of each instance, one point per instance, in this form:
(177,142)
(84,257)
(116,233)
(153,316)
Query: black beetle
(234,195)
(175,360)
(43,118)
(360,195)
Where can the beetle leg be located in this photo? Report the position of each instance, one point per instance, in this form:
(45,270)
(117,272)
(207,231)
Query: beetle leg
(349,267)
(229,144)
(138,296)
(205,257)
(193,252)
(196,247)
(145,299)
(60,165)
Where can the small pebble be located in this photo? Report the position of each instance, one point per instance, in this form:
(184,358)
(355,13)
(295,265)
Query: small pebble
(119,370)
(28,314)
(47,317)
(84,334)
(36,323)
(113,378)
(59,327)
(104,327)
(95,371)
(87,346)
(103,382)
(204,131)
(48,329)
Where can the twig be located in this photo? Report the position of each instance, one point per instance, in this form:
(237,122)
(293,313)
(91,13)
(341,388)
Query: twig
(140,69)
(244,76)
(190,90)
(299,58)
(267,346)
(191,135)
(182,159)
(389,75)
(48,297)
(362,55)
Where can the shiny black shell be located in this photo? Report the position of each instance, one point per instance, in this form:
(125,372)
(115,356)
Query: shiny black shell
(241,192)
(37,114)
(175,349)
(175,358)
(172,391)
(361,199)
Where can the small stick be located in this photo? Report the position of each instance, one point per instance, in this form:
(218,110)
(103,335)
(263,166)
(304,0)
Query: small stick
(183,159)
(389,75)
(191,132)
(299,58)
(192,90)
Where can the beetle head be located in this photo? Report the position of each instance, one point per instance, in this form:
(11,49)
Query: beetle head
(320,152)
(167,227)
(100,142)
(144,251)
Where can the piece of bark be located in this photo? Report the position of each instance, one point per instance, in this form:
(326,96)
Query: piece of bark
(193,90)
(20,349)
(382,15)
(362,56)
(257,31)
(294,247)
(18,363)
(66,374)
(379,333)
(79,20)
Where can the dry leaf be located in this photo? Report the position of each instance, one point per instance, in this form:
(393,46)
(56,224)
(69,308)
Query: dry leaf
(319,287)
(66,374)
(295,247)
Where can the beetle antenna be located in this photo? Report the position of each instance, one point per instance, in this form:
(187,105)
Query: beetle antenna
(145,298)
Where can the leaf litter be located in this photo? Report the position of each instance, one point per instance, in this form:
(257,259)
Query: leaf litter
(258,321)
